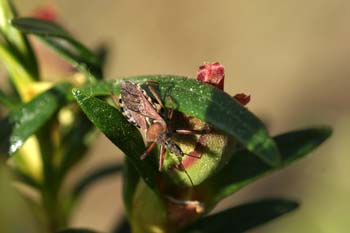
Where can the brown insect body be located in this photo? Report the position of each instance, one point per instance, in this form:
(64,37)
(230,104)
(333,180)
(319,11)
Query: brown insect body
(137,106)
(140,110)
(157,133)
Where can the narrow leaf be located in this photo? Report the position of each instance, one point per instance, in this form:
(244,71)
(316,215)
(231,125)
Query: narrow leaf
(28,118)
(122,227)
(93,177)
(72,50)
(39,27)
(26,179)
(75,143)
(125,136)
(12,203)
(102,54)
(210,105)
(5,132)
(244,168)
(19,75)
(130,181)
(244,217)
(92,69)
(16,41)
(77,230)
(7,101)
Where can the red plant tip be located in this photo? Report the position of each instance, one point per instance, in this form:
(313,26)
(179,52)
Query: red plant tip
(242,98)
(213,74)
(46,12)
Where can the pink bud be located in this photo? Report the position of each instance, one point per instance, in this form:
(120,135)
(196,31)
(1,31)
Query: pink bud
(213,74)
(242,98)
(46,12)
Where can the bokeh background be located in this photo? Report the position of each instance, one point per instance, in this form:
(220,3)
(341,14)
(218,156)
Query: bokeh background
(292,56)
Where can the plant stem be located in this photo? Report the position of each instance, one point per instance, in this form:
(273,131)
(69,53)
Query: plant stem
(51,185)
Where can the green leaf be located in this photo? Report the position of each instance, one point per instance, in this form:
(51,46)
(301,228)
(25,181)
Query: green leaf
(19,75)
(29,117)
(245,168)
(125,136)
(72,55)
(73,51)
(26,179)
(5,133)
(46,28)
(77,230)
(243,217)
(7,101)
(39,27)
(12,203)
(75,143)
(130,181)
(93,177)
(102,54)
(16,41)
(210,105)
(122,226)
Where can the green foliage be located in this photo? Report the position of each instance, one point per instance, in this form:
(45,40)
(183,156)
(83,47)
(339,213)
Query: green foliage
(246,153)
(7,101)
(211,105)
(77,231)
(95,176)
(73,51)
(243,217)
(16,43)
(29,117)
(244,168)
(15,214)
(119,131)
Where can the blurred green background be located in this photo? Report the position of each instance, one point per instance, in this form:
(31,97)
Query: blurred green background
(292,56)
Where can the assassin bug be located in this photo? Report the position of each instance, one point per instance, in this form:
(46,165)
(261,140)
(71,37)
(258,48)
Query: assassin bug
(152,117)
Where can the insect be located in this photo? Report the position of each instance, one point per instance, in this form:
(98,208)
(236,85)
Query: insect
(152,117)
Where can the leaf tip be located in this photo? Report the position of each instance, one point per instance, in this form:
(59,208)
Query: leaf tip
(284,206)
(321,133)
(327,131)
(291,205)
(272,155)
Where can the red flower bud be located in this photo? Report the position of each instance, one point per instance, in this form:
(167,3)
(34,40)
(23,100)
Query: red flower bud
(242,98)
(46,12)
(213,74)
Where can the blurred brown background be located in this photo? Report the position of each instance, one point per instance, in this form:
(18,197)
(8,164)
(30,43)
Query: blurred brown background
(292,56)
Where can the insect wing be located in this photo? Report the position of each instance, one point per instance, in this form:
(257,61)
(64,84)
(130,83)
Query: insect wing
(137,106)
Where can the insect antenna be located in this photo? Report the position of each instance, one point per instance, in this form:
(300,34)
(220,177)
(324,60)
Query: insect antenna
(184,169)
(193,155)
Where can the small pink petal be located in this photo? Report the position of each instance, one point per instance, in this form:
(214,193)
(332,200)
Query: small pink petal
(213,74)
(242,98)
(46,12)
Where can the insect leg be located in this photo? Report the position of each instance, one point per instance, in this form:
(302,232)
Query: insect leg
(171,109)
(189,131)
(199,148)
(194,155)
(182,167)
(148,150)
(154,93)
